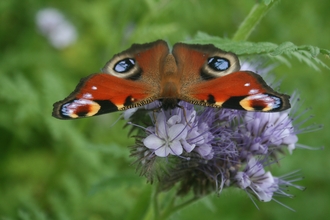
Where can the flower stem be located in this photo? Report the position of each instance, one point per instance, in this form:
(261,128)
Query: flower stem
(163,207)
(251,21)
(172,209)
(155,202)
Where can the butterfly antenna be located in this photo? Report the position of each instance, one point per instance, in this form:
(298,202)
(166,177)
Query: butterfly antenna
(184,114)
(154,116)
(155,119)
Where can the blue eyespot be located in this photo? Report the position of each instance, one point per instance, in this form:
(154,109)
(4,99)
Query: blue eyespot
(124,65)
(218,63)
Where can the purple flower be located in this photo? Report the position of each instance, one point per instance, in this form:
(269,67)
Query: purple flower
(257,181)
(207,148)
(169,137)
(176,132)
(263,133)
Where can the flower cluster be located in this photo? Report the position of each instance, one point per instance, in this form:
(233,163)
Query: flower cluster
(204,149)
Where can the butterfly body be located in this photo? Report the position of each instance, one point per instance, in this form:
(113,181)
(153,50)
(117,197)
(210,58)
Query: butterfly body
(199,74)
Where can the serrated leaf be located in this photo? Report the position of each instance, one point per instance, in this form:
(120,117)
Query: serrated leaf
(314,51)
(281,59)
(304,53)
(305,59)
(325,51)
(283,48)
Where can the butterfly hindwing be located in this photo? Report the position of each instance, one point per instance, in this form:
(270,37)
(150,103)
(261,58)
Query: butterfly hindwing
(241,90)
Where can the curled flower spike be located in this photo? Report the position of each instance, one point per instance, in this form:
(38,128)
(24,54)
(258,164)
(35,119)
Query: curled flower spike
(262,134)
(205,150)
(256,180)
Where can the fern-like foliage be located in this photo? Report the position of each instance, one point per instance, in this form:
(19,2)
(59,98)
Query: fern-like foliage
(305,53)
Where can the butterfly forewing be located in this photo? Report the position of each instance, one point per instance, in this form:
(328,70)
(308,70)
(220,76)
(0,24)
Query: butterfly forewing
(102,93)
(130,79)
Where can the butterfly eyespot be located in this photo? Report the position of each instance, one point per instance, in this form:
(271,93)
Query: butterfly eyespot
(124,65)
(218,63)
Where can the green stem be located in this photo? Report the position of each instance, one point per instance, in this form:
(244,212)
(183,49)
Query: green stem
(163,207)
(153,209)
(172,209)
(155,202)
(168,210)
(251,21)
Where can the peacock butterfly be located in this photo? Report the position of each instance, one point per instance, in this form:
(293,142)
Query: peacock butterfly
(198,74)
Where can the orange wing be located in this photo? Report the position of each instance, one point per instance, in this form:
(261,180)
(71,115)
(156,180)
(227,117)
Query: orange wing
(239,90)
(130,79)
(102,93)
(211,77)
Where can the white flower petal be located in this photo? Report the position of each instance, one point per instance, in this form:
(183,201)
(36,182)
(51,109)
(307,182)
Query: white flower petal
(177,132)
(175,148)
(204,150)
(243,181)
(153,142)
(265,189)
(291,139)
(162,151)
(175,119)
(161,127)
(188,147)
(195,137)
(291,147)
(129,112)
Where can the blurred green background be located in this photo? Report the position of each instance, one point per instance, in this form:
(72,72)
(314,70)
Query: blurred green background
(81,169)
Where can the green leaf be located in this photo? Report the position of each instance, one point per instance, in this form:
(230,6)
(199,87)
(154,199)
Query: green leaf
(307,54)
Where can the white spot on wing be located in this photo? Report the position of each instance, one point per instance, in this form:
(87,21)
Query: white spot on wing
(94,87)
(87,96)
(247,84)
(253,91)
(71,108)
(271,101)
